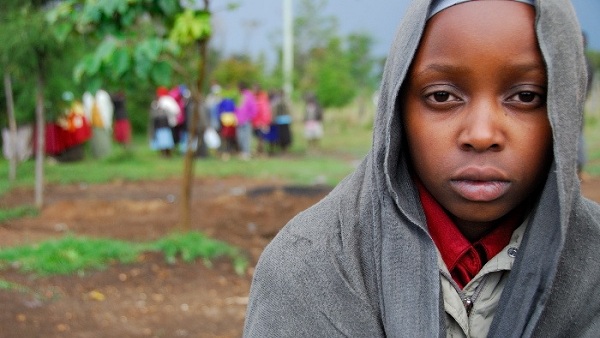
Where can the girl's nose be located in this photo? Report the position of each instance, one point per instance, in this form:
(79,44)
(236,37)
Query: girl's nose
(482,129)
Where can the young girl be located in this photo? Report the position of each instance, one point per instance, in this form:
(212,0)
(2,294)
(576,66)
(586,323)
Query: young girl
(466,218)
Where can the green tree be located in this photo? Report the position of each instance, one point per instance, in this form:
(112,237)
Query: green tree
(137,38)
(332,67)
(142,38)
(332,83)
(28,48)
(312,31)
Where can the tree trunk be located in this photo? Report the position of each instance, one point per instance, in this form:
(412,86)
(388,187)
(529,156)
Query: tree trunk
(12,125)
(40,140)
(188,166)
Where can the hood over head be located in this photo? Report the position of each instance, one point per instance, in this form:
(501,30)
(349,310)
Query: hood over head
(562,51)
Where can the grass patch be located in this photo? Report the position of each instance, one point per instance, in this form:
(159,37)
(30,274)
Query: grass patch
(195,245)
(72,254)
(17,212)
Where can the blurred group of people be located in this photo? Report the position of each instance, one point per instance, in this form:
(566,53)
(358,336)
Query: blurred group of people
(242,122)
(250,114)
(100,118)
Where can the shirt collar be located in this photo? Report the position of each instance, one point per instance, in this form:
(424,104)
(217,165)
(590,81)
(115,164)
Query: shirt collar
(456,250)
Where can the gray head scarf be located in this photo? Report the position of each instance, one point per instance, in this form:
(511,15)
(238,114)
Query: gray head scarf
(439,5)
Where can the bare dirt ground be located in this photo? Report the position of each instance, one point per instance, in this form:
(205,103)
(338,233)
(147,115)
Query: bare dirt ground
(149,298)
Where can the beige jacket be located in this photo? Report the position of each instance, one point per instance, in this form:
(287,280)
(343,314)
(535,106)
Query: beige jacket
(469,312)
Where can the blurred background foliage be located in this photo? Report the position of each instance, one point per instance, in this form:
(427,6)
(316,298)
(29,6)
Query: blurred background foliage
(137,45)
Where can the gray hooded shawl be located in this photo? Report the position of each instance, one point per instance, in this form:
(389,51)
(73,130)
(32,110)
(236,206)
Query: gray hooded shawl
(361,263)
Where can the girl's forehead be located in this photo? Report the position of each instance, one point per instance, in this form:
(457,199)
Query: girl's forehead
(502,30)
(439,5)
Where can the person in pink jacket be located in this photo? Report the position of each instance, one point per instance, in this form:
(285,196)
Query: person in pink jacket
(245,112)
(261,123)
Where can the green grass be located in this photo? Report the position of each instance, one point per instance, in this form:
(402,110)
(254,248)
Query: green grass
(194,245)
(17,212)
(71,254)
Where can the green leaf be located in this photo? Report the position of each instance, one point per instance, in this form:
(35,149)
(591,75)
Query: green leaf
(109,7)
(128,18)
(92,65)
(190,26)
(89,65)
(91,13)
(169,7)
(171,47)
(61,11)
(78,71)
(149,49)
(119,63)
(161,73)
(106,48)
(61,31)
(142,68)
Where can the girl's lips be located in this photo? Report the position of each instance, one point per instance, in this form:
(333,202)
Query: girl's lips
(480,191)
(480,184)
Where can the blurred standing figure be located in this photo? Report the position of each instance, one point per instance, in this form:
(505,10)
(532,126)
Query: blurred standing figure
(261,122)
(213,99)
(282,120)
(245,112)
(228,125)
(178,123)
(161,112)
(313,121)
(102,117)
(122,126)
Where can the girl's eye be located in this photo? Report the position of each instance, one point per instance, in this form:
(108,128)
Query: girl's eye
(529,98)
(526,96)
(442,96)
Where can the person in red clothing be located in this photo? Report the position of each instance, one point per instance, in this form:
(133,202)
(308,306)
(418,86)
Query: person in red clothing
(121,125)
(261,122)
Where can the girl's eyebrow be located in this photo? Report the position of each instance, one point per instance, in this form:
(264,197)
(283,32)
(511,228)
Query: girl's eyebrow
(442,68)
(526,67)
(447,68)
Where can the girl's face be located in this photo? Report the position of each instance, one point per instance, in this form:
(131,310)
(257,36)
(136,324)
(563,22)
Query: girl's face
(475,111)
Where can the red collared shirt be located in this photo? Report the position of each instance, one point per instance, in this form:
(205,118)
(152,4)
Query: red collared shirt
(462,258)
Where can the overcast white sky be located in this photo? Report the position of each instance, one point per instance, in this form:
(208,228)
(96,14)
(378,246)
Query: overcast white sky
(256,25)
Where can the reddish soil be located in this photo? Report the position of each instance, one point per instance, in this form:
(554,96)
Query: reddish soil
(149,298)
